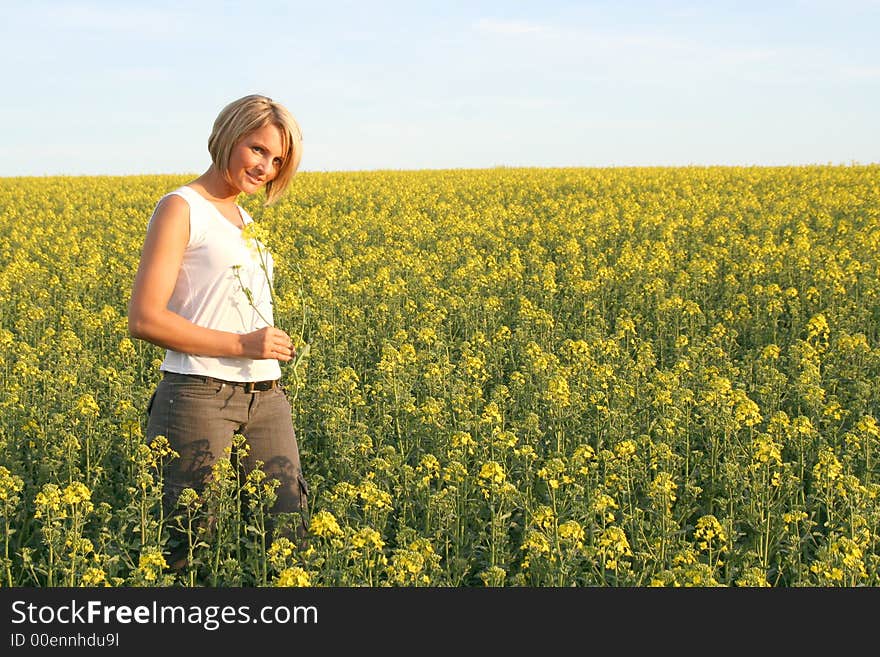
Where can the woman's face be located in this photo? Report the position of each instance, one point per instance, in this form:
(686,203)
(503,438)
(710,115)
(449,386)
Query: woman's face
(256,159)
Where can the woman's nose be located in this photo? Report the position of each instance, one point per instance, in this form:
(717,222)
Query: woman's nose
(266,164)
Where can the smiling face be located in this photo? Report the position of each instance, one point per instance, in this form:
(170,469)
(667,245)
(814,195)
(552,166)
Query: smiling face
(256,159)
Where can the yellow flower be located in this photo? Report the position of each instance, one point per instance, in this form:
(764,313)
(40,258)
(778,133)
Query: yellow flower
(536,543)
(126,348)
(405,566)
(817,327)
(94,577)
(765,451)
(572,533)
(160,448)
(625,449)
(662,490)
(491,472)
(613,545)
(429,467)
(544,517)
(455,472)
(791,518)
(10,485)
(87,407)
(280,552)
(151,564)
(828,468)
(554,473)
(256,235)
(558,392)
(462,440)
(581,459)
(48,502)
(709,534)
(374,497)
(603,505)
(324,524)
(293,576)
(493,576)
(868,426)
(367,537)
(753,577)
(492,414)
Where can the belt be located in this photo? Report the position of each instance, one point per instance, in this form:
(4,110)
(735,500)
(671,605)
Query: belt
(249,386)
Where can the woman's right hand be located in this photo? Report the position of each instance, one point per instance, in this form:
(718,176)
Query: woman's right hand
(268,342)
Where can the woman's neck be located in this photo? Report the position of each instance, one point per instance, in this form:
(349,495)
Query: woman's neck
(215,187)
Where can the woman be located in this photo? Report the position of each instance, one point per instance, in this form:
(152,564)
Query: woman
(201,293)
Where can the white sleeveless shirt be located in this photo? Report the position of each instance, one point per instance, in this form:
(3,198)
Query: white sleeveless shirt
(217,263)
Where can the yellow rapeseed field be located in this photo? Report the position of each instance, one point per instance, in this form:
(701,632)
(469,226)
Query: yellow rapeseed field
(511,377)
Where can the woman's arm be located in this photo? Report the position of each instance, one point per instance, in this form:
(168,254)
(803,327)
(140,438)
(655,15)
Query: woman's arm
(148,315)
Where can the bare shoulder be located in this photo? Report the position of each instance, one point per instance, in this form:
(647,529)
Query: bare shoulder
(168,228)
(171,217)
(171,207)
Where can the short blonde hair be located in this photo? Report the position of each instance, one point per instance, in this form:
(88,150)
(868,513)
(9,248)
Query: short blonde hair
(243,116)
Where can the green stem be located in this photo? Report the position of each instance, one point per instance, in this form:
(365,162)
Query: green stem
(189,540)
(250,296)
(6,560)
(301,352)
(50,579)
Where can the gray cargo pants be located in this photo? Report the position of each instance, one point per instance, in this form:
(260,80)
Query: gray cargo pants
(200,415)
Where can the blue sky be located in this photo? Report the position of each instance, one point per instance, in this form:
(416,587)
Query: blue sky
(133,87)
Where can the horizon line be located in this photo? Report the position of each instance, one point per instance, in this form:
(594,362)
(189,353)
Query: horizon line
(827,164)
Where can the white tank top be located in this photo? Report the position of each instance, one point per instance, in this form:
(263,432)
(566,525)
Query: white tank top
(209,293)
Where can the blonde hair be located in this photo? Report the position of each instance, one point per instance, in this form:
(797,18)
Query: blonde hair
(243,116)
